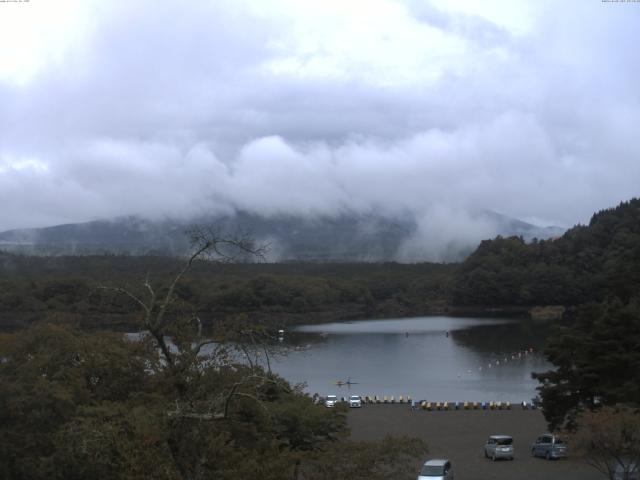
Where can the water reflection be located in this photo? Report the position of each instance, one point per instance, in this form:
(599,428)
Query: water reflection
(435,358)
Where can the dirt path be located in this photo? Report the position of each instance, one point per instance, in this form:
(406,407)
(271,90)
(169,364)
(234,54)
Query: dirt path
(460,436)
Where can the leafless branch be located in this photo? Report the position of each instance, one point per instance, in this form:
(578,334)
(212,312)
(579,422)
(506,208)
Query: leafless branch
(127,293)
(198,347)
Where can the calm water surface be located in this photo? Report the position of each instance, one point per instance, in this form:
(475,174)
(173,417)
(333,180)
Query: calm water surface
(433,358)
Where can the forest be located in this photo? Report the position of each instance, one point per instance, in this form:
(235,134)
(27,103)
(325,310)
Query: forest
(278,294)
(588,263)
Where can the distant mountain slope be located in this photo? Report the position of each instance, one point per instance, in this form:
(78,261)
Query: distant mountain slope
(322,238)
(507,227)
(352,237)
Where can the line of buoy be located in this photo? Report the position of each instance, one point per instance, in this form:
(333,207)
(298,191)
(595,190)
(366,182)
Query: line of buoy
(441,406)
(433,406)
(513,356)
(373,399)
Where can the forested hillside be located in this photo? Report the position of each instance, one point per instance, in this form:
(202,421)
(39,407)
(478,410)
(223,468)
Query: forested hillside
(37,288)
(588,263)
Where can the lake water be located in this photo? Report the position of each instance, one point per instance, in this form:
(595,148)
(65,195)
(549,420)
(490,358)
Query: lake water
(433,358)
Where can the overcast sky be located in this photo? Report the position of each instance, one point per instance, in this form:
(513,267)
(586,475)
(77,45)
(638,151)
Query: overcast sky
(167,108)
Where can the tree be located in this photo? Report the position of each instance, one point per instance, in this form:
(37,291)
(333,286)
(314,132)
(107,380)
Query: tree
(78,405)
(609,440)
(596,359)
(51,377)
(177,334)
(202,386)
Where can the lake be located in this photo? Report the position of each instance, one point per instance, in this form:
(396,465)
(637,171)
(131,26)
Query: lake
(434,358)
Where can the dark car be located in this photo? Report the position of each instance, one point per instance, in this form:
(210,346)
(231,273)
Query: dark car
(550,447)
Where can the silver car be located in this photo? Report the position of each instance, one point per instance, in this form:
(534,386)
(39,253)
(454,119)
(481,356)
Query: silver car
(550,447)
(437,469)
(355,401)
(499,446)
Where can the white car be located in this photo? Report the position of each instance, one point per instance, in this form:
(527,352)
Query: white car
(330,401)
(355,401)
(439,469)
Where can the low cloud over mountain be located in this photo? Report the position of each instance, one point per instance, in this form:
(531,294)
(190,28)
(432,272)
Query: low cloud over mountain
(282,108)
(345,238)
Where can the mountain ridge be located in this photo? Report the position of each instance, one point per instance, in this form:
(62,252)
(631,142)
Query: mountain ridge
(346,237)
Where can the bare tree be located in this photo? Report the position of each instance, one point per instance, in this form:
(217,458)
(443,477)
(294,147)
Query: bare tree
(178,336)
(608,439)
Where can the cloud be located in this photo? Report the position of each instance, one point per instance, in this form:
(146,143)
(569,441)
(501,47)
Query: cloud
(443,234)
(319,108)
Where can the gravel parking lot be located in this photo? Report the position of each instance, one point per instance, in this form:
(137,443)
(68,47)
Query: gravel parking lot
(460,436)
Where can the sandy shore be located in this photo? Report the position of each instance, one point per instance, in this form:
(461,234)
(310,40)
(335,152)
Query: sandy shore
(460,436)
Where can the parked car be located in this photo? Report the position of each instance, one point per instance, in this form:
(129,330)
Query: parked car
(330,401)
(550,447)
(437,469)
(499,446)
(355,401)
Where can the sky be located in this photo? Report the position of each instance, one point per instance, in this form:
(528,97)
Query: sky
(430,108)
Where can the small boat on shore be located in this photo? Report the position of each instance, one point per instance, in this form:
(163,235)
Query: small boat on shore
(340,383)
